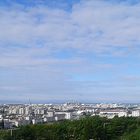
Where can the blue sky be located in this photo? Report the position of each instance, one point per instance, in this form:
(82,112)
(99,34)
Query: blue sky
(60,50)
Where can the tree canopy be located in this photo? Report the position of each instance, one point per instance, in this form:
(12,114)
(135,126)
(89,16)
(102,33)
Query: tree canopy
(95,128)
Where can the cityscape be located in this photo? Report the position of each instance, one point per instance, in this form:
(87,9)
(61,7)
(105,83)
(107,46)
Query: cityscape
(16,115)
(69,69)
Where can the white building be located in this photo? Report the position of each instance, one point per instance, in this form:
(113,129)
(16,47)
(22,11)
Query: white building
(50,113)
(21,111)
(59,117)
(136,113)
(122,114)
(21,122)
(68,115)
(49,119)
(37,120)
(113,113)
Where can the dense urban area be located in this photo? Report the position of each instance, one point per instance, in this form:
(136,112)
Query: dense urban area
(70,121)
(16,115)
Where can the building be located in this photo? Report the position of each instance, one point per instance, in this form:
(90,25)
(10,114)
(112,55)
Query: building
(136,113)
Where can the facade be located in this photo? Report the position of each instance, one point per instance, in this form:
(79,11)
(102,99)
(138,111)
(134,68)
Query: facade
(136,113)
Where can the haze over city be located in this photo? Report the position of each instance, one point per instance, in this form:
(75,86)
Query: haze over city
(61,50)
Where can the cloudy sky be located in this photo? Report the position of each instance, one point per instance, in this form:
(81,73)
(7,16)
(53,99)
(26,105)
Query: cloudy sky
(63,50)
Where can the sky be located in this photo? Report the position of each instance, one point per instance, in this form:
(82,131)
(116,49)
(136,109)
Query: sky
(70,50)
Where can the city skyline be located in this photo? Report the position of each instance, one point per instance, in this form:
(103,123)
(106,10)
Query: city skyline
(61,50)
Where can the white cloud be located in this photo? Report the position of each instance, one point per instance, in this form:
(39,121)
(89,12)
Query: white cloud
(94,24)
(91,26)
(31,37)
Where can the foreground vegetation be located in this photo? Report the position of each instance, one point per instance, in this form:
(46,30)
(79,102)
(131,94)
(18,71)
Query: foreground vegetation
(87,128)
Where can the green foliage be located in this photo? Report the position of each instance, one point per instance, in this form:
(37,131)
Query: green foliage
(84,129)
(134,135)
